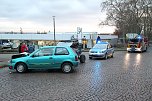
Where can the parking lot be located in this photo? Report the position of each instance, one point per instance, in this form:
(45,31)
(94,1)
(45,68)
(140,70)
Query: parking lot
(126,77)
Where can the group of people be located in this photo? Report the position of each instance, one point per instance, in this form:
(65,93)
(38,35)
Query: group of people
(26,48)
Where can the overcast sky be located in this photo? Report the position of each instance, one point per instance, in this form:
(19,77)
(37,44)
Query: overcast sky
(36,15)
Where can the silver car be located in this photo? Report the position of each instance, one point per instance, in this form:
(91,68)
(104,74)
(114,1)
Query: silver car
(101,50)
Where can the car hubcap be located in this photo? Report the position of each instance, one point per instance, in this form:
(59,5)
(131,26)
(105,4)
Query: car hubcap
(20,68)
(67,68)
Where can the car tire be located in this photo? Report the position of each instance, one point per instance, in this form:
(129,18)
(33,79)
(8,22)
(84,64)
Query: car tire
(21,67)
(106,56)
(90,57)
(146,49)
(66,67)
(82,58)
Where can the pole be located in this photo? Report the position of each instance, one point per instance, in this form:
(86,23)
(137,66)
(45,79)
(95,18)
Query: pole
(54,29)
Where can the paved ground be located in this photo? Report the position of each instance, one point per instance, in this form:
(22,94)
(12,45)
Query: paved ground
(126,77)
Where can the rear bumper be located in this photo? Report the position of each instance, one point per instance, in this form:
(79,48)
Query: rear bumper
(75,64)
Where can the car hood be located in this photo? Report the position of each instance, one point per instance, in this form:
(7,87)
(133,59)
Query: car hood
(20,59)
(19,56)
(97,49)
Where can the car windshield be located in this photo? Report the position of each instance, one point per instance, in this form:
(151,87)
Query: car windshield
(135,40)
(100,46)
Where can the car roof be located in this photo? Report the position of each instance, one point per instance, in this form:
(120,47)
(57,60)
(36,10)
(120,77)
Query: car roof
(103,43)
(54,46)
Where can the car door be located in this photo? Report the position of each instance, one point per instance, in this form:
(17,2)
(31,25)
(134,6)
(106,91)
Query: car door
(61,55)
(42,59)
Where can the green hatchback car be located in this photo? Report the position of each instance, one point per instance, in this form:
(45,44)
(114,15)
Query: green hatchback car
(48,57)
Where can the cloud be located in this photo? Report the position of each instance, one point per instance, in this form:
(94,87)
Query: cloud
(38,13)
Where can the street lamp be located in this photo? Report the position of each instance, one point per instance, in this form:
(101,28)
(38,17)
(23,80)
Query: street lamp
(54,28)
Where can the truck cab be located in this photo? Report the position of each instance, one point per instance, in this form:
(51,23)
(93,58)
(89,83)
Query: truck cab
(139,44)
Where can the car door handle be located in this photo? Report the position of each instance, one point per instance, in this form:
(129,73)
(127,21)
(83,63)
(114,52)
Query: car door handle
(51,58)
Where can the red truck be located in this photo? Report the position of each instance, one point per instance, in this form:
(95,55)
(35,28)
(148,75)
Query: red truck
(138,43)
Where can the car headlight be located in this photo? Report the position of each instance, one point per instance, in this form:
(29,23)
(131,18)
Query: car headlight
(103,51)
(100,51)
(11,61)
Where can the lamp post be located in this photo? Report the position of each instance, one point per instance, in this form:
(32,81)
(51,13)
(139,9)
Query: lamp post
(21,32)
(54,29)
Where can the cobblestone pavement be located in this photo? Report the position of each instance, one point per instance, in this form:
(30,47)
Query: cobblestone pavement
(126,77)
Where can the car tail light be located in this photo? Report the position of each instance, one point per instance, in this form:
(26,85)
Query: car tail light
(76,58)
(139,44)
(128,46)
(10,67)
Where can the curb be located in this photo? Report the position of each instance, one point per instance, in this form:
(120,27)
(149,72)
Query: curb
(3,64)
(8,52)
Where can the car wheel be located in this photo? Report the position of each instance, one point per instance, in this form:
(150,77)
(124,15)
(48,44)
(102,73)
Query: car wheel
(21,68)
(90,57)
(67,67)
(106,56)
(146,49)
(112,55)
(82,58)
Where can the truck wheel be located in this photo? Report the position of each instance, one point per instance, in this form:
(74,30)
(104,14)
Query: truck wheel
(82,58)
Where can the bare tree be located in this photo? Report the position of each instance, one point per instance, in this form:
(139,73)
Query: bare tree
(129,16)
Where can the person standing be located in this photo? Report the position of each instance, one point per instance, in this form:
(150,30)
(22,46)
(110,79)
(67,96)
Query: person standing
(19,48)
(31,48)
(24,48)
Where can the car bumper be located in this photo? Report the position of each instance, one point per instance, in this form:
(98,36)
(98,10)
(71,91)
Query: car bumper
(11,66)
(134,49)
(75,64)
(97,55)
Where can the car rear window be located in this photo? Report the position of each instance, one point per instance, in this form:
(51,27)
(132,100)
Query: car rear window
(61,51)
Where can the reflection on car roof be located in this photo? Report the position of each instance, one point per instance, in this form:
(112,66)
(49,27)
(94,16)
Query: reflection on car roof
(52,46)
(103,43)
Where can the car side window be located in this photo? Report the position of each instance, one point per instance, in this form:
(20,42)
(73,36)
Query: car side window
(61,51)
(44,52)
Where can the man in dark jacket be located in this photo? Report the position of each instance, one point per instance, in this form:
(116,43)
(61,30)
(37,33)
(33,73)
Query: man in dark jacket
(19,48)
(31,48)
